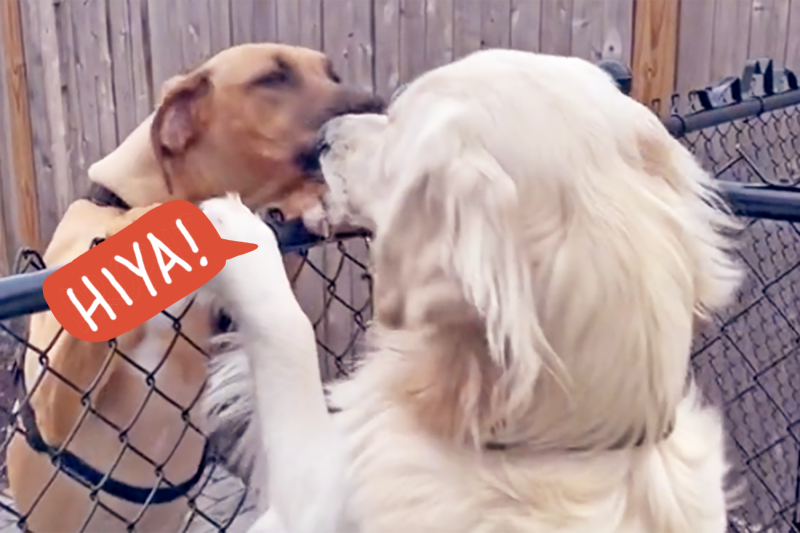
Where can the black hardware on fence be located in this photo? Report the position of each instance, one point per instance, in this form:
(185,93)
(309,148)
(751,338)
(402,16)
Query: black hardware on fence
(744,130)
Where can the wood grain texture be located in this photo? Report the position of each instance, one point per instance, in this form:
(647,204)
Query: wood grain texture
(618,30)
(9,236)
(348,39)
(525,31)
(793,39)
(387,46)
(23,172)
(729,48)
(769,24)
(265,21)
(412,39)
(655,51)
(45,112)
(438,32)
(495,24)
(556,24)
(195,31)
(695,44)
(588,27)
(466,27)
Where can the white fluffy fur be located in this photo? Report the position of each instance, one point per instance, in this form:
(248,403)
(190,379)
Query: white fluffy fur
(542,250)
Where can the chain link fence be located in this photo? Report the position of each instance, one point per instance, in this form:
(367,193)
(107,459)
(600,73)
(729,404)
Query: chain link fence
(746,361)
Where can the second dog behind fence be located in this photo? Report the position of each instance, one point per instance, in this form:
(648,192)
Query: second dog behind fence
(747,361)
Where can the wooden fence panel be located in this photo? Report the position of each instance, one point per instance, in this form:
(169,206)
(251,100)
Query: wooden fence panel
(438,32)
(602,29)
(556,27)
(769,25)
(387,46)
(20,191)
(731,25)
(695,44)
(93,70)
(526,16)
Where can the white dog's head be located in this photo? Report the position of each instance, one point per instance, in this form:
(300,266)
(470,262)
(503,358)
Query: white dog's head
(541,244)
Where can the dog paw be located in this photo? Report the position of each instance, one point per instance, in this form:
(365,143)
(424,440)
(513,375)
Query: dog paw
(234,221)
(255,272)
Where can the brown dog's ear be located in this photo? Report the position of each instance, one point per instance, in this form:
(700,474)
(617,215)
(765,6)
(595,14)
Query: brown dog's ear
(181,117)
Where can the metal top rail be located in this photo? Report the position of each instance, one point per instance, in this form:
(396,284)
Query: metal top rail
(759,90)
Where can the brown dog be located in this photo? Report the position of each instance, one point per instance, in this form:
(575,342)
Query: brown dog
(244,121)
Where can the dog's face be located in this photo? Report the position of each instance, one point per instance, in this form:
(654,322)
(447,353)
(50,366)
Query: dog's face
(246,121)
(524,197)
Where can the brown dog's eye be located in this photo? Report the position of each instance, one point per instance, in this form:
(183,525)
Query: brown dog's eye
(273,79)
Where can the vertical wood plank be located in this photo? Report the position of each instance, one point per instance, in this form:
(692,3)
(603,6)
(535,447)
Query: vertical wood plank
(729,48)
(348,39)
(769,25)
(466,27)
(526,24)
(556,33)
(219,12)
(265,21)
(495,24)
(141,60)
(695,44)
(98,55)
(587,29)
(241,21)
(655,51)
(311,23)
(56,110)
(195,34)
(120,25)
(46,144)
(412,39)
(289,21)
(618,34)
(793,42)
(438,33)
(167,52)
(19,120)
(9,237)
(69,76)
(387,46)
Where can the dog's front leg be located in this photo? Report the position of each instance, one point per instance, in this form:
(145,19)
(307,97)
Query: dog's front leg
(307,485)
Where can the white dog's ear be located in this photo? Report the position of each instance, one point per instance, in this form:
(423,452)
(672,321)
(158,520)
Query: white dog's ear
(459,210)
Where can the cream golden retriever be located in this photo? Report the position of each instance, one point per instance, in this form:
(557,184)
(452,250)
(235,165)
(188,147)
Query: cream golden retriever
(126,414)
(542,249)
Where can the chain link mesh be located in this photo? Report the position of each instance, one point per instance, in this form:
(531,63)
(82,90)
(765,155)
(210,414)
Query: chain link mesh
(747,360)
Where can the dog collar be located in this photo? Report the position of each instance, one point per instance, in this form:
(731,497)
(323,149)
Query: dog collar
(104,197)
(80,470)
(621,445)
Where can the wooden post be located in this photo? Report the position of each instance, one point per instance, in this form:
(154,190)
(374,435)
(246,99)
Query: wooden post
(655,51)
(19,120)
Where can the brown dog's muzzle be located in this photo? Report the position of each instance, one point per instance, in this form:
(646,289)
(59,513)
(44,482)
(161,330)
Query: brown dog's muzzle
(355,102)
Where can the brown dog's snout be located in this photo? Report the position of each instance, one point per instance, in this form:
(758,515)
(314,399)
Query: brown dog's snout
(357,102)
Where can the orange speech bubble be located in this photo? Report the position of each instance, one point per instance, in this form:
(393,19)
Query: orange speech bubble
(165,255)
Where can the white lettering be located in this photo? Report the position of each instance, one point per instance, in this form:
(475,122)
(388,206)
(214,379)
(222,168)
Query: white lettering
(117,286)
(98,301)
(139,270)
(158,247)
(186,235)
